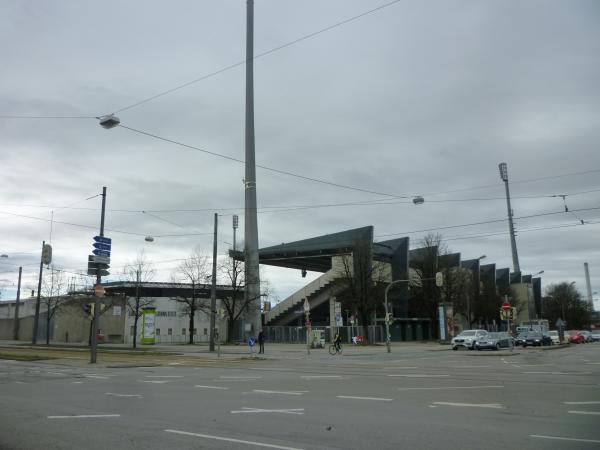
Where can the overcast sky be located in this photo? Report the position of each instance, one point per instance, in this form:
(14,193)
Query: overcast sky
(417,98)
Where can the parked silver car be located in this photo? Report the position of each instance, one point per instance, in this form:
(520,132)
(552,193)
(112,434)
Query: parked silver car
(495,341)
(468,338)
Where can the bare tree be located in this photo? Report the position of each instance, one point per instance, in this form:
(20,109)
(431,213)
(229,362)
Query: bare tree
(139,271)
(53,289)
(235,304)
(195,271)
(363,282)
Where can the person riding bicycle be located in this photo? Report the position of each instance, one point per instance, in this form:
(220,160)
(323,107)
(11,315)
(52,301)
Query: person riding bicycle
(337,340)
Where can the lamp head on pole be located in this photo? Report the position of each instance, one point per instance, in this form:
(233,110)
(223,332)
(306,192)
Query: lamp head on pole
(503,171)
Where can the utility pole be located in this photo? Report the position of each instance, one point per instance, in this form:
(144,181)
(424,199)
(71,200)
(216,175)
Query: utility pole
(513,242)
(94,346)
(588,285)
(252,289)
(16,324)
(213,289)
(236,220)
(137,307)
(36,318)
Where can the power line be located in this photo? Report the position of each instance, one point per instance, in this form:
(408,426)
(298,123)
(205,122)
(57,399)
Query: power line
(45,117)
(259,55)
(482,222)
(529,180)
(271,169)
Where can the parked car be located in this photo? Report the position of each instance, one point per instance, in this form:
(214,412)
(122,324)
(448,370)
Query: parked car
(554,336)
(495,341)
(468,338)
(520,339)
(587,335)
(537,339)
(575,337)
(596,336)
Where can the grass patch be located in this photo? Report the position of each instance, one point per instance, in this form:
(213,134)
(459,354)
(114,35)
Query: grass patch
(22,357)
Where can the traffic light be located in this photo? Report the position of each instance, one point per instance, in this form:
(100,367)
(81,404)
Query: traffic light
(47,254)
(88,308)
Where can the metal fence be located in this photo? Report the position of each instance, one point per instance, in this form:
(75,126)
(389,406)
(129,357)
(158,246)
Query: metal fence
(297,335)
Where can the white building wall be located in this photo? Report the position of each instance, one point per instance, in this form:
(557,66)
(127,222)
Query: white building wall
(171,323)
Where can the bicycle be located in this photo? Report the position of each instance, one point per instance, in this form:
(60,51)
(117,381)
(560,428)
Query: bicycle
(333,349)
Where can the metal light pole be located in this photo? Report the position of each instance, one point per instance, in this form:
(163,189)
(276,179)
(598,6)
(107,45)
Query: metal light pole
(16,324)
(252,290)
(388,341)
(308,327)
(588,285)
(36,318)
(213,289)
(236,221)
(513,242)
(94,343)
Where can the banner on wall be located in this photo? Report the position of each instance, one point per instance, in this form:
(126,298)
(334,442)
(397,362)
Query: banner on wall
(446,321)
(148,328)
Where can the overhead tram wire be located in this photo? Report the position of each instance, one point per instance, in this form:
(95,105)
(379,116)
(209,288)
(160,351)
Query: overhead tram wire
(271,169)
(258,55)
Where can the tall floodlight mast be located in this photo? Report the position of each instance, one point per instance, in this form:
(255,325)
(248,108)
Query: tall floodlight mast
(252,288)
(511,228)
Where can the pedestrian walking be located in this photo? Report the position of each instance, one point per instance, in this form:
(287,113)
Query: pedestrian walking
(261,342)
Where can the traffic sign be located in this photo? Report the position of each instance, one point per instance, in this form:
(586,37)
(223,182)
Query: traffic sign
(102,239)
(101,259)
(101,252)
(101,246)
(505,306)
(251,342)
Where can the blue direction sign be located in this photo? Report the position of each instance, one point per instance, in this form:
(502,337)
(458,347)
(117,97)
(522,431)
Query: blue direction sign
(251,342)
(101,246)
(102,240)
(101,252)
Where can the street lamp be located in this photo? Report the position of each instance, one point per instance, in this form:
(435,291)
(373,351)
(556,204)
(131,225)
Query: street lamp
(539,273)
(307,314)
(3,255)
(388,342)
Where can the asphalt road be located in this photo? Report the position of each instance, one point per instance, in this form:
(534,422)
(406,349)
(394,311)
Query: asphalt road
(413,398)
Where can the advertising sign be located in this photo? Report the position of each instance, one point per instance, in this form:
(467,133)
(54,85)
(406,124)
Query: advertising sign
(148,322)
(449,316)
(442,323)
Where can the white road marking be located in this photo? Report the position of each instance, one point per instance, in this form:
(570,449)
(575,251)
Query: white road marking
(76,382)
(418,375)
(244,409)
(86,416)
(366,398)
(535,365)
(164,376)
(396,368)
(262,391)
(471,367)
(560,438)
(55,373)
(211,387)
(96,376)
(594,363)
(252,377)
(560,373)
(155,381)
(440,388)
(237,441)
(270,368)
(582,403)
(123,395)
(591,413)
(313,377)
(472,405)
